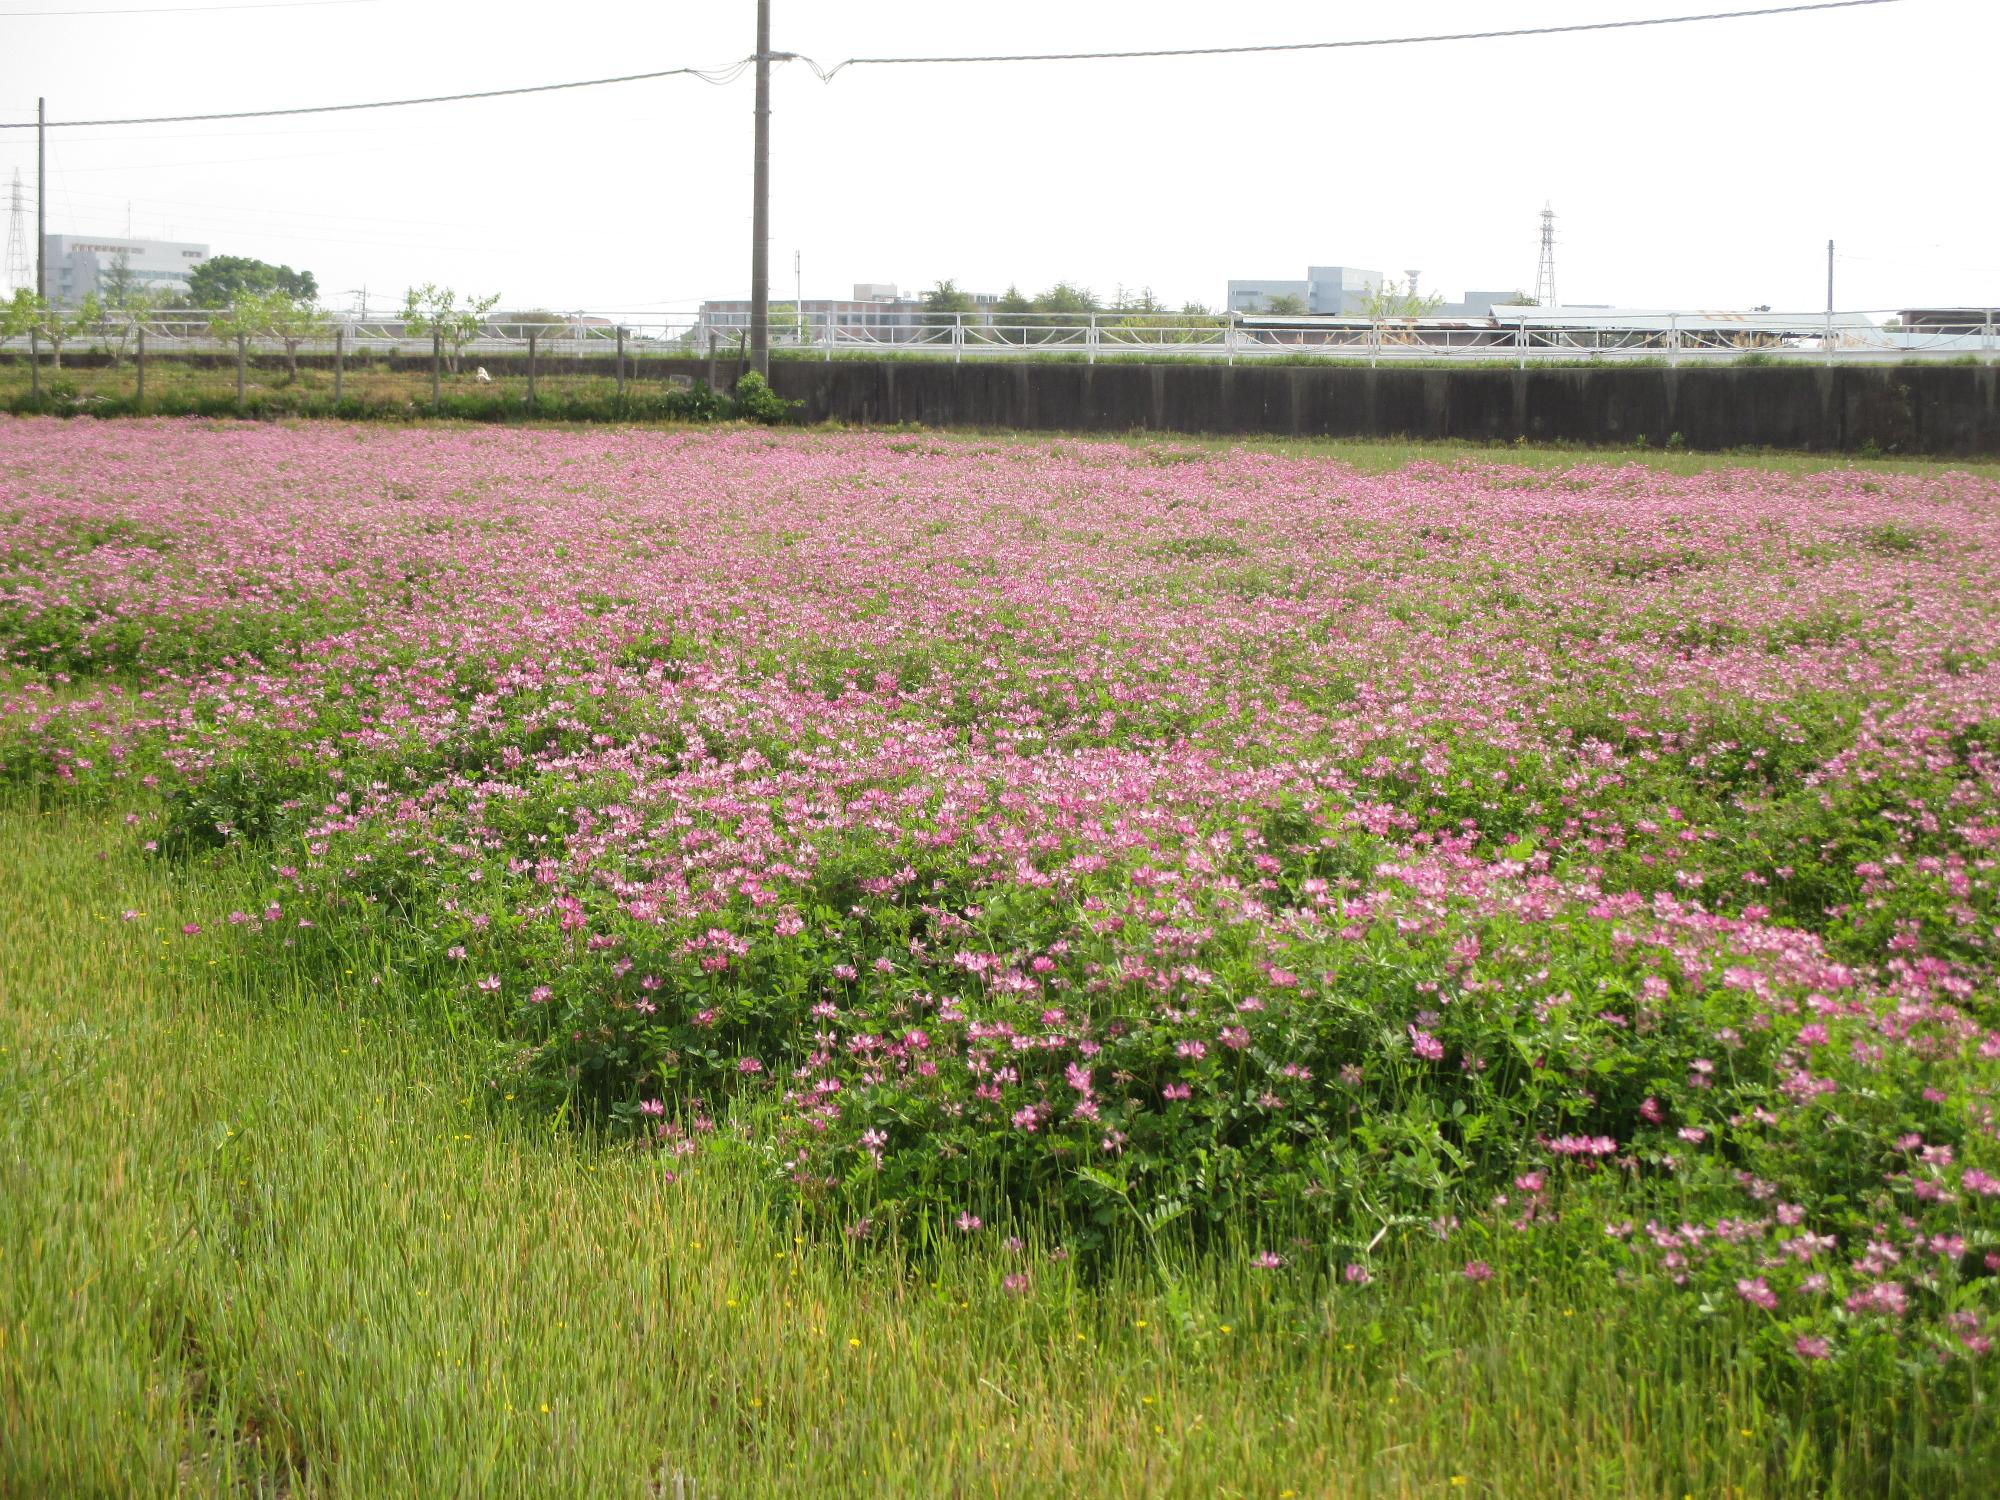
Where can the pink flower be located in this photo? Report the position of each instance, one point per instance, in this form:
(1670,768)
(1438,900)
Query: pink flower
(490,983)
(1811,1347)
(1267,1260)
(1016,1283)
(748,1065)
(1356,1275)
(1425,1045)
(1478,1270)
(968,1222)
(1756,1293)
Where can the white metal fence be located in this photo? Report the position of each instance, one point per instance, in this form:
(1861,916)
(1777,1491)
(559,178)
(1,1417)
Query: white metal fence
(1514,335)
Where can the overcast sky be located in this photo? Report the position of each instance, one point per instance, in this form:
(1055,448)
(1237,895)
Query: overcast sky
(1693,166)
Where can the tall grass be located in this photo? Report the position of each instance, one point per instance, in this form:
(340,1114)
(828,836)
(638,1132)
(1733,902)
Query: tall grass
(291,1243)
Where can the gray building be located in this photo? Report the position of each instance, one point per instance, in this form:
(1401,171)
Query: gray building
(1326,289)
(1332,291)
(80,264)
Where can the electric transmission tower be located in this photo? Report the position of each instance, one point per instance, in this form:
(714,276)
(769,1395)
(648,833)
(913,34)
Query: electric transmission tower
(1545,271)
(20,272)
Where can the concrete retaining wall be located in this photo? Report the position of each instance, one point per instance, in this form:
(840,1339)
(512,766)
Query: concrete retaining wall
(1945,410)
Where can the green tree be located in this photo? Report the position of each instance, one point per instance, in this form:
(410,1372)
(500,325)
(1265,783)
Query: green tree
(1393,300)
(1066,297)
(1286,305)
(221,279)
(292,321)
(120,285)
(28,315)
(432,309)
(1012,304)
(945,297)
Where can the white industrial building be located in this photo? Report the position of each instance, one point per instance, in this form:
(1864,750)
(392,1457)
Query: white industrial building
(1345,291)
(80,264)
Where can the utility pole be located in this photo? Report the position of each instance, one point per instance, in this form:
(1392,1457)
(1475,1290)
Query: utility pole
(1829,275)
(42,198)
(760,208)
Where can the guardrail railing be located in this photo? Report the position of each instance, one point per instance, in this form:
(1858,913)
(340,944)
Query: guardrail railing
(1522,335)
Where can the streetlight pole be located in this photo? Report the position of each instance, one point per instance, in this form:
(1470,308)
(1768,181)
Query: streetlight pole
(760,209)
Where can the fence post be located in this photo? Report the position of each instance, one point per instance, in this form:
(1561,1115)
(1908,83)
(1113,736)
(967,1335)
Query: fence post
(139,399)
(1829,336)
(958,338)
(1986,339)
(1374,341)
(621,361)
(242,360)
(1229,338)
(339,361)
(714,339)
(1090,342)
(1521,342)
(828,315)
(531,371)
(437,369)
(1673,339)
(34,364)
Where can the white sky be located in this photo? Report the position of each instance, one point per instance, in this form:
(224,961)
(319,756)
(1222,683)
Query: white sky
(1697,166)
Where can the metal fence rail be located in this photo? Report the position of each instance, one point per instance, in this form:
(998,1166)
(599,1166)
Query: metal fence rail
(1517,335)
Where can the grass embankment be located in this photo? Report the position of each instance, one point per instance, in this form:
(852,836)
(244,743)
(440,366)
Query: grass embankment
(256,1242)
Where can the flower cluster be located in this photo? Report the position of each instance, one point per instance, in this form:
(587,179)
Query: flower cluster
(1230,840)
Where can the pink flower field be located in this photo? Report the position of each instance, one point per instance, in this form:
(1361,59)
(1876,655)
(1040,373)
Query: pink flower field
(1115,839)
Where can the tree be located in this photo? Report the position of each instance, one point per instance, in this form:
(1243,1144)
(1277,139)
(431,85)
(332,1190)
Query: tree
(120,285)
(292,321)
(221,279)
(539,321)
(1012,304)
(1286,305)
(431,309)
(28,314)
(1065,297)
(945,297)
(1392,300)
(1519,299)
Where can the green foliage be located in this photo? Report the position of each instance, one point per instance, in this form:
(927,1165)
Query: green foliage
(755,401)
(221,280)
(431,310)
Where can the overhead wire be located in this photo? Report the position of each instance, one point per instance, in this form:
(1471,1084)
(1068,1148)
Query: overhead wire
(827,74)
(730,72)
(726,74)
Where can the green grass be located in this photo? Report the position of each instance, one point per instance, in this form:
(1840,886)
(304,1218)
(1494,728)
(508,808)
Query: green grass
(292,1243)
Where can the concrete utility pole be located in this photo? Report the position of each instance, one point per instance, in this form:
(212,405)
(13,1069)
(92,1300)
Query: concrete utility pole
(760,208)
(42,198)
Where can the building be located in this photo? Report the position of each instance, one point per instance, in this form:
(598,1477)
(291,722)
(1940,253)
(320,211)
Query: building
(80,264)
(1981,320)
(1326,289)
(1337,291)
(875,314)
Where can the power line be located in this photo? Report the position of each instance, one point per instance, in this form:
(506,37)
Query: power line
(827,74)
(181,10)
(730,72)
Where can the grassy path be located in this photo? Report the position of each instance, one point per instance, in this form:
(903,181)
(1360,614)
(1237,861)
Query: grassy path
(278,1244)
